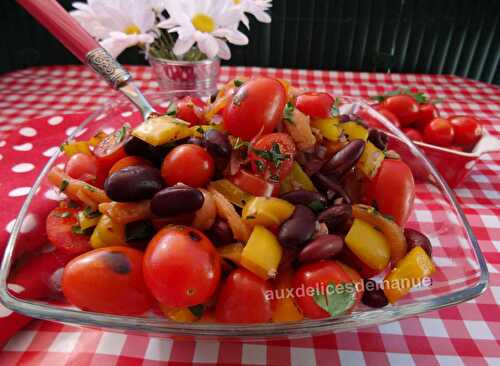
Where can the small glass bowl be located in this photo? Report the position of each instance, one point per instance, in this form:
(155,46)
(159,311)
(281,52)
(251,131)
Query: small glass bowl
(461,271)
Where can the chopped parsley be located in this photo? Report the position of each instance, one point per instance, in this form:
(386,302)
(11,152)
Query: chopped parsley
(316,206)
(237,83)
(288,112)
(200,129)
(172,109)
(274,155)
(121,133)
(88,187)
(77,229)
(335,112)
(63,186)
(260,165)
(90,213)
(197,310)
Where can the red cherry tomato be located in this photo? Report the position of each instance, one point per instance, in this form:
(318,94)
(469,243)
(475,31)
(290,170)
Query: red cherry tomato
(61,228)
(189,164)
(439,132)
(312,276)
(413,134)
(390,116)
(255,185)
(282,150)
(315,105)
(107,280)
(190,109)
(128,161)
(426,113)
(111,148)
(392,191)
(243,299)
(467,130)
(403,106)
(181,267)
(256,108)
(83,167)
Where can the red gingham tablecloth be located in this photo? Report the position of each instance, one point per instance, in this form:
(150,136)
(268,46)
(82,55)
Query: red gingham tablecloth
(465,334)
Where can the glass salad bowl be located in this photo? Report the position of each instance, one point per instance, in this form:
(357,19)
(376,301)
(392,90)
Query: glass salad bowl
(461,272)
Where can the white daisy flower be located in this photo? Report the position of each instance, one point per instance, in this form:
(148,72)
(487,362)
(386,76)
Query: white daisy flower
(257,8)
(117,24)
(208,23)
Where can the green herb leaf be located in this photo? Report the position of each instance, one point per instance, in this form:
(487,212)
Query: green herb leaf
(63,186)
(90,213)
(121,133)
(200,130)
(172,109)
(197,310)
(335,112)
(64,214)
(336,302)
(76,229)
(420,98)
(316,206)
(288,112)
(139,230)
(237,83)
(260,165)
(62,147)
(88,187)
(240,143)
(274,155)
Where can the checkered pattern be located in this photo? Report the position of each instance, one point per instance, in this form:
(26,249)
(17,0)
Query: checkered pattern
(464,334)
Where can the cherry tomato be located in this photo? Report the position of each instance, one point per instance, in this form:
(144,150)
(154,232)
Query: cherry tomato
(181,266)
(403,106)
(190,109)
(356,279)
(107,280)
(390,116)
(111,148)
(426,113)
(62,226)
(189,164)
(256,108)
(413,134)
(467,130)
(254,185)
(128,161)
(439,132)
(243,299)
(392,191)
(281,150)
(315,105)
(312,276)
(83,167)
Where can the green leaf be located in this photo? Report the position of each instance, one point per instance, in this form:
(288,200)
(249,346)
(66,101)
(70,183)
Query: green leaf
(76,229)
(63,186)
(88,187)
(197,310)
(336,302)
(200,130)
(90,213)
(121,133)
(64,214)
(316,206)
(172,109)
(260,165)
(288,112)
(335,112)
(237,83)
(274,155)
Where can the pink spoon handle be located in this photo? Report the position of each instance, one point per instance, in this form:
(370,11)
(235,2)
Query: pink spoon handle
(62,25)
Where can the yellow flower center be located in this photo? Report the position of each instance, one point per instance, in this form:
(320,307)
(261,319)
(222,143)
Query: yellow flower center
(132,29)
(203,23)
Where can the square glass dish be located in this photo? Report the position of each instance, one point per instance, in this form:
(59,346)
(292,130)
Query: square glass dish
(461,268)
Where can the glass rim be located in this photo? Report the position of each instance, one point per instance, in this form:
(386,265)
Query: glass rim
(257,331)
(166,61)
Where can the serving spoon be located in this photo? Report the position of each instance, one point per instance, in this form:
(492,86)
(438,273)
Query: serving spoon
(71,34)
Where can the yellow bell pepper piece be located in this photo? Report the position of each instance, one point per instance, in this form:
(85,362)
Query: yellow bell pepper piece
(284,307)
(297,179)
(370,160)
(369,244)
(231,252)
(232,192)
(266,211)
(161,130)
(180,315)
(75,147)
(354,130)
(262,253)
(107,233)
(409,271)
(329,127)
(85,221)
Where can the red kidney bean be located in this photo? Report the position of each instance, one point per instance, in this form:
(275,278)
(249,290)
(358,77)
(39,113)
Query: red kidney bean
(344,159)
(217,143)
(220,233)
(415,238)
(336,217)
(378,138)
(372,296)
(176,200)
(314,200)
(133,183)
(323,247)
(330,187)
(298,228)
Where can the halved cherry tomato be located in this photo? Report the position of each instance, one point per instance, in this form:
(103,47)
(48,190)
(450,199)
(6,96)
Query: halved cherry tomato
(62,231)
(190,109)
(413,134)
(244,298)
(392,191)
(256,108)
(189,164)
(426,113)
(403,106)
(107,280)
(83,167)
(313,276)
(128,161)
(439,132)
(111,148)
(356,279)
(467,130)
(255,185)
(390,116)
(315,105)
(272,156)
(181,267)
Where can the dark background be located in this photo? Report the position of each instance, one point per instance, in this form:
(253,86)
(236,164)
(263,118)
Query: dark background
(423,36)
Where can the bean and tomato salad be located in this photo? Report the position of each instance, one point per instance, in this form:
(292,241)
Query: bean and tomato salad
(261,204)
